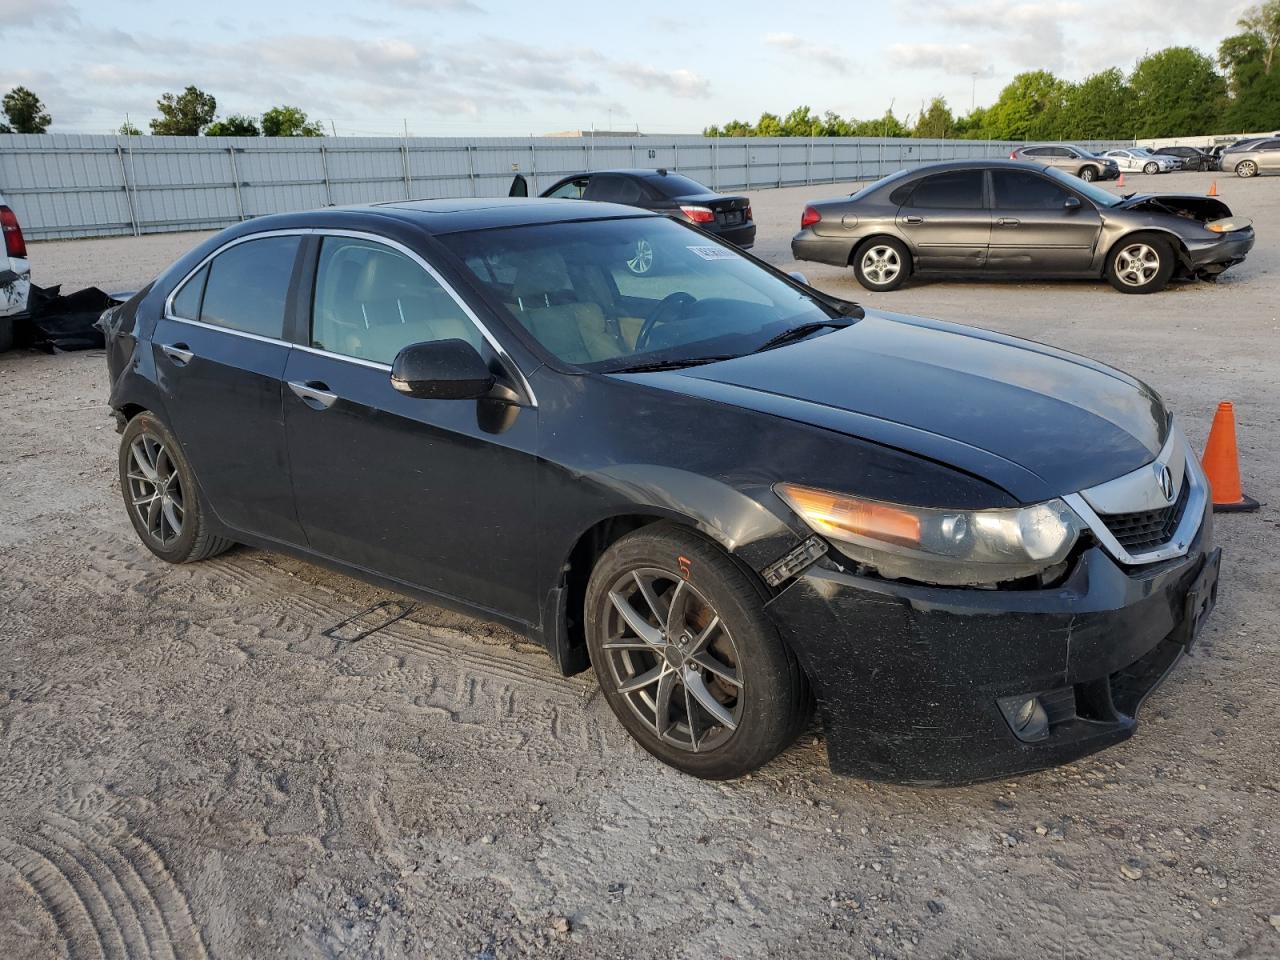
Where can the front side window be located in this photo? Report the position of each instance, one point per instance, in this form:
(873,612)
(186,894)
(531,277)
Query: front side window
(372,301)
(582,290)
(248,285)
(958,190)
(1019,190)
(573,190)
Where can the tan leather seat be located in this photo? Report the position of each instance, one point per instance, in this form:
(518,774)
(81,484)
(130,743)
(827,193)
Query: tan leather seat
(549,308)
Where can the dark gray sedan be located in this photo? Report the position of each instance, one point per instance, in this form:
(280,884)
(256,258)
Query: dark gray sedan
(1002,218)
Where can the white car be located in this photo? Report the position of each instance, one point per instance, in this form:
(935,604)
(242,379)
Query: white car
(15,274)
(1142,160)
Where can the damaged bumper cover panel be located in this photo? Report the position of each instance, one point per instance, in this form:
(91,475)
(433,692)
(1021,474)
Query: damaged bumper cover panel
(944,686)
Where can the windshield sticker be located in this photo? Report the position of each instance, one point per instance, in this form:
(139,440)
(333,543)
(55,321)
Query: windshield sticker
(714,253)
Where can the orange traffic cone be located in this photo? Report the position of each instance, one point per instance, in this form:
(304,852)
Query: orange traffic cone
(1213,189)
(1222,463)
(1120,180)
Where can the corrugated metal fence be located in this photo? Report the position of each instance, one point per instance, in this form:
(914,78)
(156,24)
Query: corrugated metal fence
(88,186)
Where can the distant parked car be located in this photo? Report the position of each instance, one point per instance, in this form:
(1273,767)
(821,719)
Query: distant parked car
(1193,158)
(15,274)
(1262,157)
(662,191)
(1000,218)
(1142,160)
(1070,159)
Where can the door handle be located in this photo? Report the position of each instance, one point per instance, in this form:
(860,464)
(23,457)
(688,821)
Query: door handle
(913,219)
(314,394)
(177,352)
(1008,221)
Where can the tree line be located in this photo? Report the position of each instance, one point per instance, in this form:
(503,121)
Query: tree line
(1177,91)
(187,114)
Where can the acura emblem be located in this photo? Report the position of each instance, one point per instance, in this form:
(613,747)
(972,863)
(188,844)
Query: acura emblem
(1164,476)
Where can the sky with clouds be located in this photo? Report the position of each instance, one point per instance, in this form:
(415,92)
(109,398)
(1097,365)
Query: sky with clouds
(493,67)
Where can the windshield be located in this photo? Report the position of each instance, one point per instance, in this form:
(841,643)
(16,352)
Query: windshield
(611,295)
(1095,193)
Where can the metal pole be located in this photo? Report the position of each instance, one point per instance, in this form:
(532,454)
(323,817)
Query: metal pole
(715,165)
(675,156)
(533,165)
(324,169)
(471,169)
(408,181)
(235,178)
(124,178)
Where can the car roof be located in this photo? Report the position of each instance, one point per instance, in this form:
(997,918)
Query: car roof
(452,216)
(993,163)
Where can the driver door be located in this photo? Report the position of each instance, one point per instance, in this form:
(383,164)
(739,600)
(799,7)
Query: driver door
(1039,227)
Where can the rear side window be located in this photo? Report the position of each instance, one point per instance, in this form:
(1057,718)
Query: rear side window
(1019,190)
(1035,152)
(248,285)
(186,304)
(959,190)
(614,189)
(672,185)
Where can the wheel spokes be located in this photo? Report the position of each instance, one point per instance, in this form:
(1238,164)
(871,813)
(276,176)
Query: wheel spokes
(696,686)
(639,625)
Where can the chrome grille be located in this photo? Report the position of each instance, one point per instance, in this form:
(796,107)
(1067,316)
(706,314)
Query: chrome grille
(1145,529)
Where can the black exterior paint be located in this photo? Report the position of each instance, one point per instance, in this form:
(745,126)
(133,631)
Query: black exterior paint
(479,504)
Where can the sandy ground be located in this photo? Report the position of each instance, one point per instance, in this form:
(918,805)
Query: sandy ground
(189,768)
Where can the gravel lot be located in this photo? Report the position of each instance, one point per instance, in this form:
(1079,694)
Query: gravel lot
(188,767)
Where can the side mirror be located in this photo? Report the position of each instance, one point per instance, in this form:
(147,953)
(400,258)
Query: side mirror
(798,277)
(1071,203)
(441,370)
(519,186)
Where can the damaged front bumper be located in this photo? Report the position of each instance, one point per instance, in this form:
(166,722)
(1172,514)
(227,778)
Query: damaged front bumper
(1211,257)
(910,678)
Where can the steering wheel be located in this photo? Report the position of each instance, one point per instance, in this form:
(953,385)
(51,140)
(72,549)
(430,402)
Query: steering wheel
(671,309)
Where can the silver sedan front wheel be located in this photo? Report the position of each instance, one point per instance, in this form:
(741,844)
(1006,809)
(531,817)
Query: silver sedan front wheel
(1136,264)
(1246,169)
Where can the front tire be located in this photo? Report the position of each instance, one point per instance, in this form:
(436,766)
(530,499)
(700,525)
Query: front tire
(161,495)
(1151,168)
(1088,174)
(687,658)
(1246,169)
(882,264)
(1141,263)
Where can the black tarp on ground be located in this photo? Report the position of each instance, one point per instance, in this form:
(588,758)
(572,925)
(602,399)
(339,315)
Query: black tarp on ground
(54,322)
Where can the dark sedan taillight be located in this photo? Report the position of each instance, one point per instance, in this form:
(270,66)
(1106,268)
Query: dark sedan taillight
(14,244)
(1013,154)
(809,217)
(748,214)
(699,214)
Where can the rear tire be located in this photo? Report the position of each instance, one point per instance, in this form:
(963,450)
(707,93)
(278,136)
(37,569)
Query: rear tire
(1150,168)
(161,494)
(1141,263)
(658,666)
(1246,169)
(882,264)
(1088,174)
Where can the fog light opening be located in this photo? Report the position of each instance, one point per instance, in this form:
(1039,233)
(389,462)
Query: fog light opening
(1026,716)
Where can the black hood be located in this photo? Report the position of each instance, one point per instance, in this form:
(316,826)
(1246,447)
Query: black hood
(1032,420)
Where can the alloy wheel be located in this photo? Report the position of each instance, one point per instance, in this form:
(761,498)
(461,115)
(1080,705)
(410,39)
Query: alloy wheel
(155,489)
(1151,168)
(1246,168)
(643,259)
(673,660)
(1136,264)
(881,264)
(1088,174)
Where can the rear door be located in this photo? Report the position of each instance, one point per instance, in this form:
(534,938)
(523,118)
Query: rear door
(946,221)
(1034,231)
(220,354)
(434,493)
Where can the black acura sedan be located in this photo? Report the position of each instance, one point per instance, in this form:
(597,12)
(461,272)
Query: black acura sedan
(727,493)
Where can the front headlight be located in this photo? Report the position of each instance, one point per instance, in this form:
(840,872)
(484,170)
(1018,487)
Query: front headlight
(949,547)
